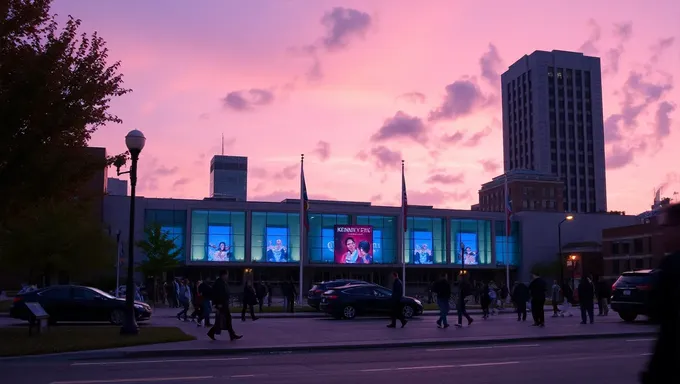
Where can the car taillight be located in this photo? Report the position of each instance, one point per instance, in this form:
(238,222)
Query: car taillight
(331,297)
(318,291)
(613,287)
(17,299)
(644,287)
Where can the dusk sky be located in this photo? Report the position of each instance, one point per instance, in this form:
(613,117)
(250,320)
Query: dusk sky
(359,85)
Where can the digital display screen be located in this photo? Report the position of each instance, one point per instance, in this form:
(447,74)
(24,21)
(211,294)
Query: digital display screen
(422,248)
(219,247)
(276,248)
(467,248)
(353,244)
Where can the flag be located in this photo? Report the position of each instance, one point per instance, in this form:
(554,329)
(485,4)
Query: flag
(404,197)
(508,208)
(304,200)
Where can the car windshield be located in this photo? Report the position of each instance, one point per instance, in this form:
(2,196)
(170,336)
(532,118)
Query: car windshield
(633,279)
(100,292)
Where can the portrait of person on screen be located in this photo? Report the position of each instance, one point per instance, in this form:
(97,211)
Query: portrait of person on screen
(352,253)
(422,254)
(277,252)
(221,252)
(470,256)
(364,255)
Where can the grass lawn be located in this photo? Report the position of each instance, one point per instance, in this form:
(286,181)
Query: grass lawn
(68,338)
(4,305)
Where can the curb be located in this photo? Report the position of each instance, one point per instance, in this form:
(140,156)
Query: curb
(162,353)
(314,315)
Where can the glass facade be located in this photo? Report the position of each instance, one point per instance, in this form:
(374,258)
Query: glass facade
(275,237)
(218,236)
(513,245)
(425,241)
(384,237)
(320,240)
(474,236)
(172,222)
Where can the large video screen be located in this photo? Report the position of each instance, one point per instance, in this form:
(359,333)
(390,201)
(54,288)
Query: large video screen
(468,242)
(353,244)
(422,248)
(377,247)
(220,243)
(328,245)
(276,250)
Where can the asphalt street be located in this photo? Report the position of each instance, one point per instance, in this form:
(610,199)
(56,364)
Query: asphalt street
(596,361)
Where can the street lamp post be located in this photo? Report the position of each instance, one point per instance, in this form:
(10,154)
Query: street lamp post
(134,141)
(573,272)
(559,240)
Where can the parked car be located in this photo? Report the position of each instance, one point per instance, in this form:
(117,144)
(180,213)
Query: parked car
(77,303)
(630,294)
(314,294)
(354,300)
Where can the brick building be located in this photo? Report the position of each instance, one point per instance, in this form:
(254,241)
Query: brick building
(529,191)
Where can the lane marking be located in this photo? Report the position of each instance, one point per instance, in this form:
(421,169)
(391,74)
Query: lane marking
(426,367)
(156,361)
(490,364)
(480,348)
(241,376)
(137,380)
(636,340)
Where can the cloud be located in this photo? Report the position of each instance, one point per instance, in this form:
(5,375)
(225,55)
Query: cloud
(490,166)
(662,121)
(166,171)
(638,95)
(477,137)
(402,125)
(343,25)
(462,137)
(151,172)
(281,195)
(436,197)
(413,97)
(386,158)
(323,150)
(181,182)
(455,138)
(246,100)
(589,46)
(204,116)
(290,172)
(623,33)
(621,156)
(672,178)
(442,178)
(258,172)
(462,98)
(491,64)
(660,47)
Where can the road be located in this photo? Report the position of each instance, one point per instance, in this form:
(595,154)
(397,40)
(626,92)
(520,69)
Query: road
(596,361)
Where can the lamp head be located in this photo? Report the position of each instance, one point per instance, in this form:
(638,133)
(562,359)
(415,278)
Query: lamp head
(572,257)
(570,217)
(135,141)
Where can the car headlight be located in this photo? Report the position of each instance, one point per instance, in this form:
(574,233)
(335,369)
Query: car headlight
(418,302)
(139,306)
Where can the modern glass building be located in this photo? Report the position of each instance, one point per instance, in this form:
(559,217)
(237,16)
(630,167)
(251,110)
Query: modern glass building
(270,240)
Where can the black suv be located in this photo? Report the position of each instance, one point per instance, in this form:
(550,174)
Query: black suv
(314,294)
(630,293)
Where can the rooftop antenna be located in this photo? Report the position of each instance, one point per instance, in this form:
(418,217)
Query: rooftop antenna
(223,144)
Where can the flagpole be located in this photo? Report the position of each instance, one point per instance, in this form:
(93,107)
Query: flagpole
(402,231)
(117,263)
(302,225)
(507,234)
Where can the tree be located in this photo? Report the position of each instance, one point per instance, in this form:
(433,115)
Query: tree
(53,237)
(161,253)
(547,269)
(55,89)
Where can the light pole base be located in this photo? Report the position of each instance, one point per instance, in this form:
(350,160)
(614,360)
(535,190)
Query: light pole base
(129,327)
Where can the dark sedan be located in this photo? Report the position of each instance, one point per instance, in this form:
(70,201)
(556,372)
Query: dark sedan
(360,299)
(77,303)
(314,294)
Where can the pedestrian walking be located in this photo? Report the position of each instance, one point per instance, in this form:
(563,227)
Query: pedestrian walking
(397,306)
(567,301)
(603,292)
(290,292)
(205,291)
(537,289)
(485,301)
(261,292)
(442,288)
(465,291)
(665,305)
(249,300)
(220,296)
(184,298)
(521,297)
(586,294)
(555,298)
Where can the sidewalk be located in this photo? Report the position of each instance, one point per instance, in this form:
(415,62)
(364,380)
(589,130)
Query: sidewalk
(309,335)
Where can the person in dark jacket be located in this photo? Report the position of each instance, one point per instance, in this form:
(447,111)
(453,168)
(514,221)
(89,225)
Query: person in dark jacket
(465,291)
(665,305)
(537,289)
(261,292)
(397,306)
(205,291)
(485,301)
(520,295)
(442,288)
(220,296)
(290,292)
(604,292)
(249,300)
(586,293)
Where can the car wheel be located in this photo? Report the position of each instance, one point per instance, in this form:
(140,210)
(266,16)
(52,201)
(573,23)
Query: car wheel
(628,317)
(117,317)
(349,312)
(408,311)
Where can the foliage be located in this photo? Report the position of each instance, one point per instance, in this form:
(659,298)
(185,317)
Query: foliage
(547,269)
(53,236)
(160,250)
(55,90)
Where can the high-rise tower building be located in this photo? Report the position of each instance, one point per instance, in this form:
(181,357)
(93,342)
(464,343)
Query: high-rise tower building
(553,123)
(229,177)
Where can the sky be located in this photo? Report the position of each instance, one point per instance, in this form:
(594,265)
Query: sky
(357,86)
